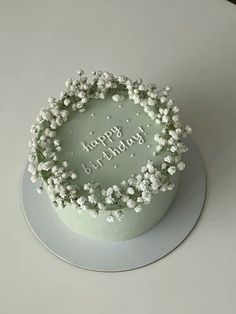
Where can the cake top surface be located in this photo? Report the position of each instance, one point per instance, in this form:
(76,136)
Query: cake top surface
(108,144)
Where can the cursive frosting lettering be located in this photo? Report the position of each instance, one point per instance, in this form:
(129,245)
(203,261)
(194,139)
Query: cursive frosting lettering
(108,136)
(112,152)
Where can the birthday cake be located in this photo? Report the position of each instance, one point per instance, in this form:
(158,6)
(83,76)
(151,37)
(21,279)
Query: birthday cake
(108,153)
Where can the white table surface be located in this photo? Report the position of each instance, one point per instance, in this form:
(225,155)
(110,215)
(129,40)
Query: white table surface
(188,44)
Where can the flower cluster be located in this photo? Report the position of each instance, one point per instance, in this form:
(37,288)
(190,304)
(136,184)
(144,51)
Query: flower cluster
(62,183)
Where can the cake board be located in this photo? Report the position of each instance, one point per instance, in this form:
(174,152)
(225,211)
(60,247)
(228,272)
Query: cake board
(116,256)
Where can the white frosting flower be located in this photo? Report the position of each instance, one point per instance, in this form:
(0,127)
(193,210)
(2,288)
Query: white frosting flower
(119,215)
(175,117)
(130,191)
(163,100)
(73,175)
(151,102)
(116,188)
(168,159)
(188,129)
(175,109)
(170,103)
(164,187)
(40,189)
(146,195)
(101,206)
(170,187)
(136,99)
(164,166)
(92,199)
(110,219)
(159,148)
(138,208)
(144,168)
(146,176)
(166,111)
(87,186)
(173,148)
(171,170)
(155,185)
(81,200)
(131,181)
(66,102)
(110,200)
(32,169)
(84,207)
(131,203)
(68,83)
(152,115)
(143,185)
(181,165)
(165,119)
(109,191)
(116,97)
(140,199)
(123,183)
(160,140)
(150,167)
(143,103)
(174,134)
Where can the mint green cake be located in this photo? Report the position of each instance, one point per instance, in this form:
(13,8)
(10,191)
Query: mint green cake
(108,153)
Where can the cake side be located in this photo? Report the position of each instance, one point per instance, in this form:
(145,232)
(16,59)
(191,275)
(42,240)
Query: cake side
(132,226)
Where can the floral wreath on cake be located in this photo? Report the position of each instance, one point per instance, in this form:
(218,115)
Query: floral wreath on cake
(130,193)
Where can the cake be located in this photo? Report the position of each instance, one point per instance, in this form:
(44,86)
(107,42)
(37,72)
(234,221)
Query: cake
(108,154)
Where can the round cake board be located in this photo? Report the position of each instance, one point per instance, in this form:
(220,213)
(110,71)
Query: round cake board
(115,256)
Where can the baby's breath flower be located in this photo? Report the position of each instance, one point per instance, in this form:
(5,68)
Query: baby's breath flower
(130,191)
(171,170)
(131,203)
(181,165)
(110,219)
(136,190)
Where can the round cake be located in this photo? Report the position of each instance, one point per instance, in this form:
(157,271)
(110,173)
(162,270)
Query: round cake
(108,152)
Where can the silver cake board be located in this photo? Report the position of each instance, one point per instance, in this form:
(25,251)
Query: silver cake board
(115,256)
